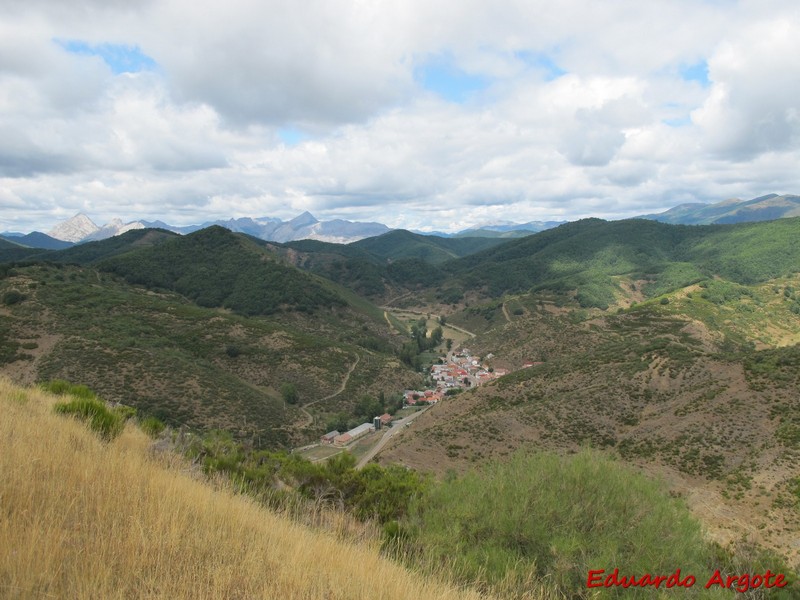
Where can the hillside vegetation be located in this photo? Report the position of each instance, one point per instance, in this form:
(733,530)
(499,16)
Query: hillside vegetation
(87,519)
(543,517)
(432,249)
(204,368)
(677,388)
(588,259)
(217,268)
(529,529)
(387,265)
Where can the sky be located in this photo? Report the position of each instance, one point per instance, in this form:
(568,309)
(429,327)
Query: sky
(427,115)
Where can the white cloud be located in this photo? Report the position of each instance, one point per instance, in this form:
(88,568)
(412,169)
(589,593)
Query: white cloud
(754,104)
(582,110)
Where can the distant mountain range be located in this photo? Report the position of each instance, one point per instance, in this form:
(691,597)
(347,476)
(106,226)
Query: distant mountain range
(81,228)
(763,208)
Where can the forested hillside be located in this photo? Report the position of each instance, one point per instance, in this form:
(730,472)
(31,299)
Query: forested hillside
(202,367)
(589,257)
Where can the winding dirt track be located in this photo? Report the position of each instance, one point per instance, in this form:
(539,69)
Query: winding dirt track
(339,390)
(505,313)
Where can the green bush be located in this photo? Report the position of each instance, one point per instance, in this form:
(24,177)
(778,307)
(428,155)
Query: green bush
(12,297)
(56,386)
(541,516)
(124,412)
(85,405)
(97,415)
(289,393)
(152,426)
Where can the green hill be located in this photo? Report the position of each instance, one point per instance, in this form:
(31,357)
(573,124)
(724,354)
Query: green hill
(594,258)
(432,249)
(217,268)
(37,239)
(202,330)
(385,266)
(91,252)
(11,250)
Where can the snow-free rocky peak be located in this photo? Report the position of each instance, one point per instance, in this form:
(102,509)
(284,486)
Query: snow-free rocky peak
(75,229)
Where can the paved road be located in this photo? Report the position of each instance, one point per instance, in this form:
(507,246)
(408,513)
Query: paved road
(398,427)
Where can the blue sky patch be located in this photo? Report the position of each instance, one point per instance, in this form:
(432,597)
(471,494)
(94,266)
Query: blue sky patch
(678,121)
(442,76)
(119,57)
(541,61)
(697,72)
(291,136)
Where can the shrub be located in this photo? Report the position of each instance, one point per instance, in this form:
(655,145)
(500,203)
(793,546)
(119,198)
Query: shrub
(541,516)
(12,297)
(124,412)
(289,393)
(56,386)
(152,426)
(96,414)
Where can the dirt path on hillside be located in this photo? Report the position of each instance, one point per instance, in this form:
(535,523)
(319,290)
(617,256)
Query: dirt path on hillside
(505,313)
(396,298)
(389,322)
(339,390)
(462,330)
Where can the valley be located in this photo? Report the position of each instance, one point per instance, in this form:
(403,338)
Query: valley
(671,350)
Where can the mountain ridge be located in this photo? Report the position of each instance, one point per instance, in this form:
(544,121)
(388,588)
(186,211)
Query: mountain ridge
(306,226)
(763,208)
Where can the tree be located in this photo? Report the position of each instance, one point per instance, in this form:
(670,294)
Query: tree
(367,408)
(289,393)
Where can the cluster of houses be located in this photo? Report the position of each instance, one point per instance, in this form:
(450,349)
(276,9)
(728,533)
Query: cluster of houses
(460,370)
(463,370)
(412,397)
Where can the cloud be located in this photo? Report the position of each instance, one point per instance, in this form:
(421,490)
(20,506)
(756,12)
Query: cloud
(406,112)
(754,101)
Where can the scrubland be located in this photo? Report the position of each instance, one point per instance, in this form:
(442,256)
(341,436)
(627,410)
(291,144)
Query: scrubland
(84,518)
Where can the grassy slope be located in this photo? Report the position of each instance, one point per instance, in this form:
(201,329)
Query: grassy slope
(92,520)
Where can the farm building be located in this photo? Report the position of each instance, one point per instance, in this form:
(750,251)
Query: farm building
(329,437)
(353,434)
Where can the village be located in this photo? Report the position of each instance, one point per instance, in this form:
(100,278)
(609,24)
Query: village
(459,370)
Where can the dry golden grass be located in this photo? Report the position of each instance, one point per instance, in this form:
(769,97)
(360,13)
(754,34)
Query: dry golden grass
(80,518)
